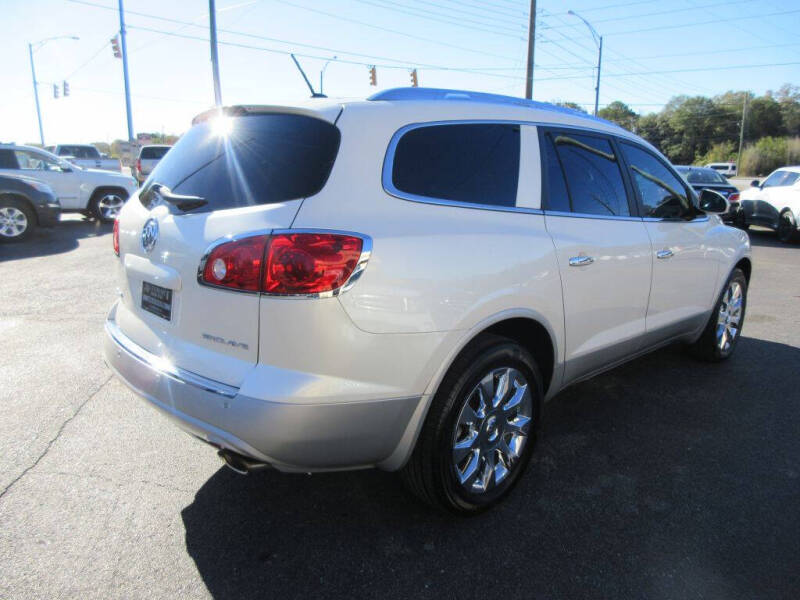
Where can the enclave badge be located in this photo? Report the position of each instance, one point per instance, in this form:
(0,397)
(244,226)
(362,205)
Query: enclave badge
(149,234)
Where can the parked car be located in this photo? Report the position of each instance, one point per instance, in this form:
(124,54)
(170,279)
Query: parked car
(95,193)
(702,178)
(148,159)
(25,204)
(727,169)
(86,156)
(403,282)
(774,203)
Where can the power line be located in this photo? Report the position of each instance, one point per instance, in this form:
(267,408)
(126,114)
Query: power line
(695,70)
(332,15)
(696,23)
(500,17)
(496,30)
(88,60)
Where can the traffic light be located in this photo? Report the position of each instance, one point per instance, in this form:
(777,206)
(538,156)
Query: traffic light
(414,82)
(115,47)
(65,86)
(373,76)
(55,90)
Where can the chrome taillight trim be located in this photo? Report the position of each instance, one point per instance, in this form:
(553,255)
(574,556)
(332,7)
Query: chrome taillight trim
(361,265)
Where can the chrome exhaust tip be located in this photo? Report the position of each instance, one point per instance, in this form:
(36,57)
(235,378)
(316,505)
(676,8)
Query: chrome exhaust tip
(238,463)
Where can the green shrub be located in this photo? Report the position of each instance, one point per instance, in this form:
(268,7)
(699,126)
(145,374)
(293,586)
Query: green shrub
(769,153)
(719,152)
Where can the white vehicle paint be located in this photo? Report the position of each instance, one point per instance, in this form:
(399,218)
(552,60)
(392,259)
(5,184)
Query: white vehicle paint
(346,378)
(775,202)
(86,156)
(101,193)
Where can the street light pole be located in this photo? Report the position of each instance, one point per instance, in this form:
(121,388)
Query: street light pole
(322,73)
(212,12)
(31,50)
(123,37)
(598,39)
(36,95)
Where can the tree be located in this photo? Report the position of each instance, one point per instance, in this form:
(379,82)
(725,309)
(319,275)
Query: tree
(571,105)
(621,114)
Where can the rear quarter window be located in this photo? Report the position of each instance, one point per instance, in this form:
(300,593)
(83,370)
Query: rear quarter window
(476,163)
(153,153)
(249,160)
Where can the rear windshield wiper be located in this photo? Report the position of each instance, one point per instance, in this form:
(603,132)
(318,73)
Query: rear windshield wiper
(184,203)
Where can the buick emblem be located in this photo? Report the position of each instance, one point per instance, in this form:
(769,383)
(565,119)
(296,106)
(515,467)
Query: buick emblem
(149,234)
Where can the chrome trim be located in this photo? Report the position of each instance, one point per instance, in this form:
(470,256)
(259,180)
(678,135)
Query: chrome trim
(361,265)
(558,213)
(701,219)
(580,261)
(163,367)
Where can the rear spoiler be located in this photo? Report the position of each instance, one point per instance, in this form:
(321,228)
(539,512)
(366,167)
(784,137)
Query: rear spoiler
(329,112)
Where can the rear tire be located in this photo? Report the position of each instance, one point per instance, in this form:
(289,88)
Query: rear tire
(787,227)
(106,204)
(724,327)
(480,430)
(17,219)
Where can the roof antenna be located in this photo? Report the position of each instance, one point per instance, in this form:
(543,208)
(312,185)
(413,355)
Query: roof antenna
(308,83)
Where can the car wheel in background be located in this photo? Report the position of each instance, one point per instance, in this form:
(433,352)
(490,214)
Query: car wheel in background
(16,219)
(724,327)
(480,430)
(106,204)
(740,221)
(787,227)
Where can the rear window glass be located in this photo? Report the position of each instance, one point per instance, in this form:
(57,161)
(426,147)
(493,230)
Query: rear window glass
(153,153)
(702,176)
(79,151)
(248,160)
(474,163)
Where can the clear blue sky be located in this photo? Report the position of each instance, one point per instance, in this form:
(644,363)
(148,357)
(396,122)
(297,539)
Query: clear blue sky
(469,44)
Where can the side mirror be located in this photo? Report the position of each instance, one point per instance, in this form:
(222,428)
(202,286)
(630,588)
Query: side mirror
(713,202)
(755,183)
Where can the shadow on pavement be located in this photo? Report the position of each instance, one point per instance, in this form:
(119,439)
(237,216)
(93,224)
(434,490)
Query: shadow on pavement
(663,478)
(767,238)
(62,238)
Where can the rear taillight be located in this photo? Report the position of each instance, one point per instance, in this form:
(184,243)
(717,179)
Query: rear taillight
(286,264)
(310,263)
(115,237)
(139,165)
(236,264)
(733,197)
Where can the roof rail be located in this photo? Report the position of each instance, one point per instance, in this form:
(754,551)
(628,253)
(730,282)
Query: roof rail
(412,93)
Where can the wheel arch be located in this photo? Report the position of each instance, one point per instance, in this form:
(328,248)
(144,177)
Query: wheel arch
(103,189)
(22,198)
(527,328)
(746,265)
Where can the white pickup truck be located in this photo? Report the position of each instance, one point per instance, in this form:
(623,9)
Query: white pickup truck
(87,156)
(95,193)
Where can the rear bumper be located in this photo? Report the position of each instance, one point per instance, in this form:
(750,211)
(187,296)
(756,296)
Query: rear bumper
(289,436)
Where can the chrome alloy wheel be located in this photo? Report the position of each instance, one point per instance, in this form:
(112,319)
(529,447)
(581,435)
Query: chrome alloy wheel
(13,222)
(730,316)
(109,205)
(492,430)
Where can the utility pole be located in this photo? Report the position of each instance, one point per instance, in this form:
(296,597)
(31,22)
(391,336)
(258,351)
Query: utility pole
(741,134)
(212,13)
(531,41)
(598,39)
(36,95)
(123,36)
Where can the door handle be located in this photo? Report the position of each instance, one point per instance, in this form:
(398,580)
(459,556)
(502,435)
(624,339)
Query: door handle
(580,261)
(664,253)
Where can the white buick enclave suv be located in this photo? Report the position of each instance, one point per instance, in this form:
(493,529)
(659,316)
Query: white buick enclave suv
(403,282)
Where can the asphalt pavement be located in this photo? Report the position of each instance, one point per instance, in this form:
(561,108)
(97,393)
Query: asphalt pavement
(664,478)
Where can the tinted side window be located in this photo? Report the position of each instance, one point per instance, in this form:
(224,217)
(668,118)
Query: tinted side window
(8,160)
(555,196)
(474,163)
(660,194)
(593,175)
(781,179)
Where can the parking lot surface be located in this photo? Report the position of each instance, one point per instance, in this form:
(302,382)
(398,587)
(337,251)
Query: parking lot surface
(664,478)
